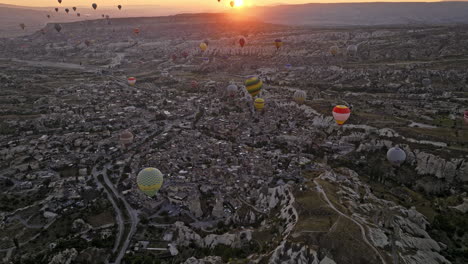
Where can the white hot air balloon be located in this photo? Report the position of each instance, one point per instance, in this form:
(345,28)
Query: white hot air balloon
(396,156)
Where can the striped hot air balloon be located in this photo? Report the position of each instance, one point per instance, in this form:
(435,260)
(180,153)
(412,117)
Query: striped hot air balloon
(300,96)
(253,85)
(396,156)
(341,113)
(259,104)
(278,43)
(149,181)
(131,81)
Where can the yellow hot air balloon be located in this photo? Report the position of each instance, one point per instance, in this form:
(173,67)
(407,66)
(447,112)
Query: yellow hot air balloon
(203,46)
(334,50)
(149,181)
(253,85)
(259,104)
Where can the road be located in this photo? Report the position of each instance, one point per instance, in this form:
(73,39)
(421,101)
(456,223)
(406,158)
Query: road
(363,231)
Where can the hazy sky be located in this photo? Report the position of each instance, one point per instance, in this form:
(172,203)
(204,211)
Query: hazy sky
(204,3)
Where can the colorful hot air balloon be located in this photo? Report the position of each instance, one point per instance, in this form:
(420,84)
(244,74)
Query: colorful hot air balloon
(352,50)
(278,43)
(396,156)
(149,181)
(232,3)
(22,25)
(131,81)
(203,46)
(465,116)
(94,6)
(56,9)
(119,7)
(242,42)
(58,27)
(74,8)
(253,85)
(136,31)
(334,50)
(300,96)
(259,104)
(126,138)
(231,90)
(67,10)
(341,113)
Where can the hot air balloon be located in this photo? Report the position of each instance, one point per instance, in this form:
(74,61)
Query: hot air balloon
(126,138)
(300,96)
(74,8)
(94,6)
(396,156)
(22,25)
(78,14)
(242,42)
(253,85)
(219,1)
(259,104)
(465,116)
(131,81)
(232,3)
(334,50)
(278,43)
(136,31)
(60,1)
(203,46)
(67,10)
(352,50)
(341,113)
(194,84)
(426,82)
(231,90)
(119,7)
(56,9)
(149,181)
(58,27)
(48,16)
(103,15)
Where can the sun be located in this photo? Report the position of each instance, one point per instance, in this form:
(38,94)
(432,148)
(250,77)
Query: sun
(238,3)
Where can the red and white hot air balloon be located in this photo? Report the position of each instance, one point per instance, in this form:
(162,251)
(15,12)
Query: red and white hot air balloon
(341,113)
(131,81)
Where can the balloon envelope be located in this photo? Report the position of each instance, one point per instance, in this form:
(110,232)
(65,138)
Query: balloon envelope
(58,27)
(131,81)
(334,50)
(300,96)
(232,3)
(278,43)
(253,85)
(351,50)
(341,113)
(242,42)
(396,156)
(259,103)
(94,6)
(126,138)
(149,181)
(231,90)
(203,46)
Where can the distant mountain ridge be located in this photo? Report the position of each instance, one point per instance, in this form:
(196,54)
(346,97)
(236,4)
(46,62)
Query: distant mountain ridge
(365,14)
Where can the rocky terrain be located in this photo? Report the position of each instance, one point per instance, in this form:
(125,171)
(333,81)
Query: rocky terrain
(284,185)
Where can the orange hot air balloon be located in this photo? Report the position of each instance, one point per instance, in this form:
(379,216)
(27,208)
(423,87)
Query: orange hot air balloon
(232,3)
(136,31)
(242,42)
(341,113)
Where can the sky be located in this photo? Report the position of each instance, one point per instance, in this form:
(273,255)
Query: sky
(204,3)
